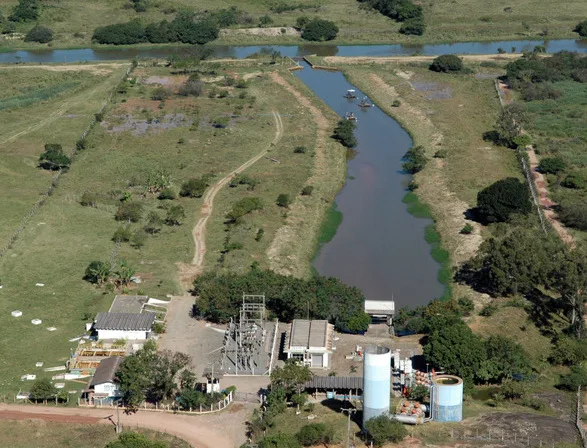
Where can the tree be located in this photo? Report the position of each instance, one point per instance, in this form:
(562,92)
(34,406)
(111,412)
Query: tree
(160,94)
(358,322)
(307,190)
(293,376)
(447,63)
(193,188)
(192,87)
(568,351)
(122,234)
(509,123)
(26,11)
(314,434)
(552,165)
(97,272)
(419,393)
(135,373)
(124,273)
(135,440)
(344,133)
(53,158)
(577,378)
(414,160)
(506,358)
(243,207)
(175,215)
(167,364)
(42,389)
(126,33)
(129,211)
(383,429)
(280,440)
(40,34)
(415,27)
(456,350)
(319,30)
(502,199)
(154,223)
(581,28)
(283,200)
(265,20)
(138,238)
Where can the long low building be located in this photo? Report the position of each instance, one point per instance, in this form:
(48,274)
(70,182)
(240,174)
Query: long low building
(310,342)
(131,326)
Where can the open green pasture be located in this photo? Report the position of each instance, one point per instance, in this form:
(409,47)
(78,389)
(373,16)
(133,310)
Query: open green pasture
(447,20)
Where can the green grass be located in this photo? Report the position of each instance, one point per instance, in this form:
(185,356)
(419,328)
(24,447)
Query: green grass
(36,433)
(330,225)
(447,21)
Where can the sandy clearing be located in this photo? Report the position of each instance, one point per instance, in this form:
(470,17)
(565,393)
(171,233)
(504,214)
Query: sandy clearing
(265,32)
(506,57)
(198,431)
(96,69)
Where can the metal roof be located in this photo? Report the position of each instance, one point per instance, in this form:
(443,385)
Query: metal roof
(124,321)
(106,370)
(128,304)
(386,306)
(310,333)
(335,382)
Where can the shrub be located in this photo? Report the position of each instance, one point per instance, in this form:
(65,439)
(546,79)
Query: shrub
(466,306)
(138,239)
(154,223)
(414,160)
(120,33)
(160,94)
(319,30)
(167,193)
(574,214)
(283,200)
(522,140)
(42,389)
(300,150)
(503,198)
(243,207)
(307,190)
(534,403)
(192,87)
(26,11)
(488,310)
(467,229)
(440,154)
(259,235)
(122,234)
(344,133)
(40,34)
(542,91)
(301,22)
(314,434)
(447,63)
(175,215)
(552,165)
(576,180)
(382,429)
(414,27)
(129,211)
(158,328)
(53,158)
(396,103)
(89,199)
(193,188)
(513,389)
(581,28)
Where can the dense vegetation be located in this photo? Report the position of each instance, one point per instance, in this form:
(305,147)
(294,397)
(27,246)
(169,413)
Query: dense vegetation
(319,30)
(581,28)
(344,133)
(187,28)
(383,429)
(220,296)
(404,11)
(447,63)
(26,11)
(414,160)
(53,158)
(135,440)
(555,93)
(40,34)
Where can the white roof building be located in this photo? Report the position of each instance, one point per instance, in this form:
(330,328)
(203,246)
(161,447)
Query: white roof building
(310,342)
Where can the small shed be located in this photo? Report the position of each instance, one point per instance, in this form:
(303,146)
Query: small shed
(102,389)
(130,326)
(310,342)
(380,310)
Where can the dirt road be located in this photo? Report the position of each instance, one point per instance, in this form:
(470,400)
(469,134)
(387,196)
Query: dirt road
(206,431)
(189,271)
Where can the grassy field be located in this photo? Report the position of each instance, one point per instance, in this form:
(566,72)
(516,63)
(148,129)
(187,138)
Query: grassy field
(456,20)
(36,433)
(139,138)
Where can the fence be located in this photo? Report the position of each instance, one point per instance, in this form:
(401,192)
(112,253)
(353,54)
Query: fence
(579,421)
(221,405)
(33,210)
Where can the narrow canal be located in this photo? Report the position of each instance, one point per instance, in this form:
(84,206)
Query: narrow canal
(379,246)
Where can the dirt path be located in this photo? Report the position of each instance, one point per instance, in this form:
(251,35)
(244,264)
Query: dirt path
(546,204)
(199,431)
(97,69)
(189,271)
(506,57)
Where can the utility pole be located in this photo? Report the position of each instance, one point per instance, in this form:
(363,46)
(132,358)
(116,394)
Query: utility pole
(349,411)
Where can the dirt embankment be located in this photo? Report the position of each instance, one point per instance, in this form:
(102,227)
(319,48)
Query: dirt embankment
(506,57)
(292,246)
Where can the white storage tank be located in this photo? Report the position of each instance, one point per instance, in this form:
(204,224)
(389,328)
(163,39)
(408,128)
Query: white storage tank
(447,398)
(376,382)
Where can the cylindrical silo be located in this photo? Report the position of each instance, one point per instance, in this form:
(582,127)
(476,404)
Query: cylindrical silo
(447,398)
(376,382)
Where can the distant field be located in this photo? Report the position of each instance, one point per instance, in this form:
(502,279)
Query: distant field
(34,434)
(447,21)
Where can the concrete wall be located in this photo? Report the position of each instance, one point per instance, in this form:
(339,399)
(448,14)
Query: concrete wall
(121,334)
(107,388)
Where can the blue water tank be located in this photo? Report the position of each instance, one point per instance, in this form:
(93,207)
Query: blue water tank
(376,382)
(447,398)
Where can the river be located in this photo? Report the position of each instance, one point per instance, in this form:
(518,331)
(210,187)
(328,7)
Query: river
(379,246)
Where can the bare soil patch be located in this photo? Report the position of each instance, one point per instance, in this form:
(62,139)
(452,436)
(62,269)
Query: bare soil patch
(142,126)
(265,32)
(96,69)
(434,90)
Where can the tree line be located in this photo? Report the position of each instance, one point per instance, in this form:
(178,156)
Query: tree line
(219,297)
(405,11)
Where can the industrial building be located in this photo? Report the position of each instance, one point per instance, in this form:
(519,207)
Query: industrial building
(380,310)
(310,342)
(446,398)
(128,326)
